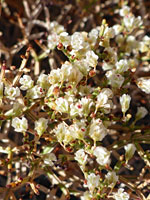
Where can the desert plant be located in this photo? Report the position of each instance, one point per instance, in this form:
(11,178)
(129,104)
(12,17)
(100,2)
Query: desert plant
(79,124)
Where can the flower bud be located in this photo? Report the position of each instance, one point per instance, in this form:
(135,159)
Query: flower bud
(111,178)
(92,73)
(130,150)
(125,102)
(141,113)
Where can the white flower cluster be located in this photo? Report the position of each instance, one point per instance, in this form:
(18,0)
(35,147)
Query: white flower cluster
(77,114)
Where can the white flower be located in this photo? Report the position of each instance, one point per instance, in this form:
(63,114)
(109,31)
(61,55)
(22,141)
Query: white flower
(141,113)
(121,195)
(56,28)
(144,44)
(102,155)
(20,125)
(12,92)
(131,22)
(26,82)
(55,76)
(85,90)
(64,134)
(122,66)
(43,81)
(49,158)
(117,28)
(53,90)
(52,40)
(71,73)
(111,178)
(103,97)
(143,47)
(132,44)
(124,11)
(107,66)
(91,58)
(86,104)
(131,41)
(144,84)
(146,40)
(130,150)
(111,54)
(133,63)
(138,21)
(93,35)
(81,157)
(87,196)
(97,130)
(119,39)
(64,38)
(78,129)
(107,91)
(77,41)
(62,105)
(76,110)
(83,66)
(125,102)
(35,92)
(103,101)
(109,32)
(41,126)
(60,131)
(92,181)
(115,79)
(69,136)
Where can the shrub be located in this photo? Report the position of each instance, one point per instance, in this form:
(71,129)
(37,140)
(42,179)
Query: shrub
(81,123)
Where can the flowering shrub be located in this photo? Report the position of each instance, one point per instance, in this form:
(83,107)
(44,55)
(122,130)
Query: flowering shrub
(70,115)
